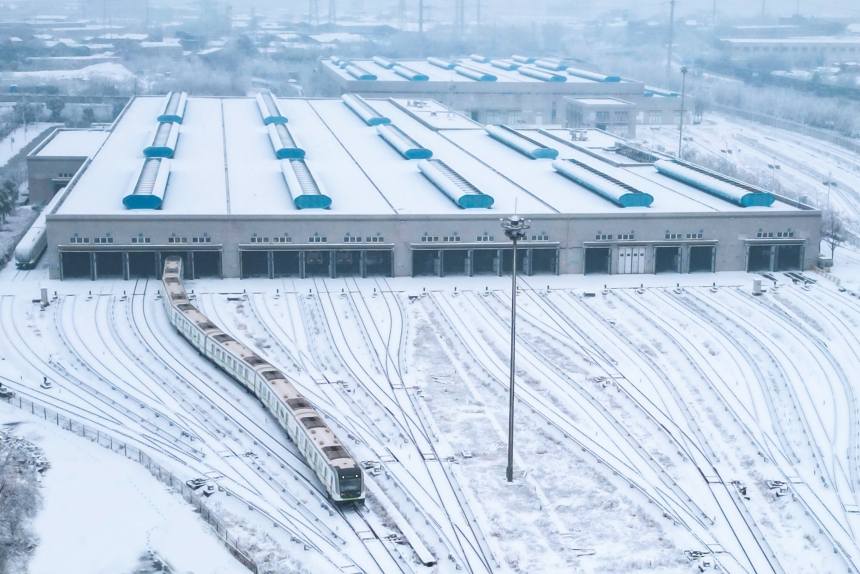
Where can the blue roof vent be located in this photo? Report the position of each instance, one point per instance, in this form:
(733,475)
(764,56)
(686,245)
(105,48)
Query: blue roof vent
(592,75)
(174,107)
(364,110)
(474,74)
(606,186)
(384,62)
(440,63)
(454,185)
(715,184)
(502,65)
(147,190)
(164,141)
(358,72)
(269,109)
(523,144)
(550,64)
(306,191)
(523,59)
(479,59)
(408,147)
(283,143)
(409,73)
(541,75)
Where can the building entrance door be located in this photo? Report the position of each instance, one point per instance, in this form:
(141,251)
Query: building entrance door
(631,260)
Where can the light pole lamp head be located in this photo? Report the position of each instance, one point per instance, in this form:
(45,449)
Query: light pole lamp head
(515,227)
(684,70)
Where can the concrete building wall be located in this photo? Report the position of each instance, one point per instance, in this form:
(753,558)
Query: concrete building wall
(731,235)
(46,175)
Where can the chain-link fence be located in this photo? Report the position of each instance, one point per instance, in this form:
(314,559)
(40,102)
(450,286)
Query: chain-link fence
(132,452)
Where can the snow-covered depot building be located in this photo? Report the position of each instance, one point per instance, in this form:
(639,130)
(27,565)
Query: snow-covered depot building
(513,91)
(268,187)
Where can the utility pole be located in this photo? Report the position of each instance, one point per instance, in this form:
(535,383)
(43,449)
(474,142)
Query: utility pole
(478,20)
(459,17)
(714,15)
(671,36)
(515,229)
(421,18)
(681,130)
(332,11)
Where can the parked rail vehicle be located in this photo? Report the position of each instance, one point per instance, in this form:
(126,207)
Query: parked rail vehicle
(330,461)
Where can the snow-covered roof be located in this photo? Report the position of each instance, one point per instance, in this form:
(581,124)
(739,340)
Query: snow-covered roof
(225,164)
(72,143)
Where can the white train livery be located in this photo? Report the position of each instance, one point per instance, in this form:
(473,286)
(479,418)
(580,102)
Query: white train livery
(330,461)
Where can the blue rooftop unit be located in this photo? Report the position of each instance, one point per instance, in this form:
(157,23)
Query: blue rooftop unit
(606,186)
(715,184)
(440,63)
(409,73)
(364,110)
(408,147)
(454,185)
(359,73)
(523,59)
(525,145)
(174,107)
(307,192)
(384,62)
(480,59)
(148,189)
(541,75)
(284,143)
(163,143)
(550,64)
(502,65)
(269,109)
(474,74)
(593,75)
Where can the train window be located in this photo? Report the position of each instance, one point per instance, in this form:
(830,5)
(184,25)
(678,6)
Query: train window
(313,422)
(335,452)
(297,404)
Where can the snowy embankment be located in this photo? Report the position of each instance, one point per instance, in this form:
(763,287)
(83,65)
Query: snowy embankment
(652,424)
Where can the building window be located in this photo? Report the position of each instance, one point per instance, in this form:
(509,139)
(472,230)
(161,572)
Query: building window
(376,239)
(603,237)
(141,240)
(621,117)
(282,239)
(429,239)
(316,239)
(601,117)
(694,235)
(785,234)
(486,238)
(542,237)
(201,240)
(451,238)
(177,240)
(625,237)
(352,239)
(79,240)
(676,235)
(103,240)
(554,114)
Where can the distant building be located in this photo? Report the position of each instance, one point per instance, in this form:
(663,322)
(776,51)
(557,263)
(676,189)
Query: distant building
(51,165)
(513,91)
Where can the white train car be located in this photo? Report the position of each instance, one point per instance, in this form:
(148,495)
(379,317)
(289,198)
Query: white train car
(34,242)
(330,461)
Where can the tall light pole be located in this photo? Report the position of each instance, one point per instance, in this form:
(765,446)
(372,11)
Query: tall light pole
(515,229)
(683,87)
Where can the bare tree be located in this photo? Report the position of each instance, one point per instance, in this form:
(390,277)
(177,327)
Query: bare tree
(833,230)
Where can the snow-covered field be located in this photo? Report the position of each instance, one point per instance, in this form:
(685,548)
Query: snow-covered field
(805,163)
(649,422)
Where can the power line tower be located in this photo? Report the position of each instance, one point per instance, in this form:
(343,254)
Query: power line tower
(460,17)
(401,15)
(332,11)
(314,12)
(671,36)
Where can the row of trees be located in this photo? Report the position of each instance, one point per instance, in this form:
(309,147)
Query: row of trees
(8,199)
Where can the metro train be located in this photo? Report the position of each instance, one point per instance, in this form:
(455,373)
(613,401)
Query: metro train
(34,242)
(330,461)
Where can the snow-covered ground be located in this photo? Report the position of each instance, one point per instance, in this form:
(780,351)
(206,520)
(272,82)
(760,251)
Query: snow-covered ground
(101,512)
(649,422)
(104,71)
(805,163)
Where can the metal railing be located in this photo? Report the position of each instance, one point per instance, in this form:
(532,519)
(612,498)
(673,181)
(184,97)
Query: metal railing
(134,453)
